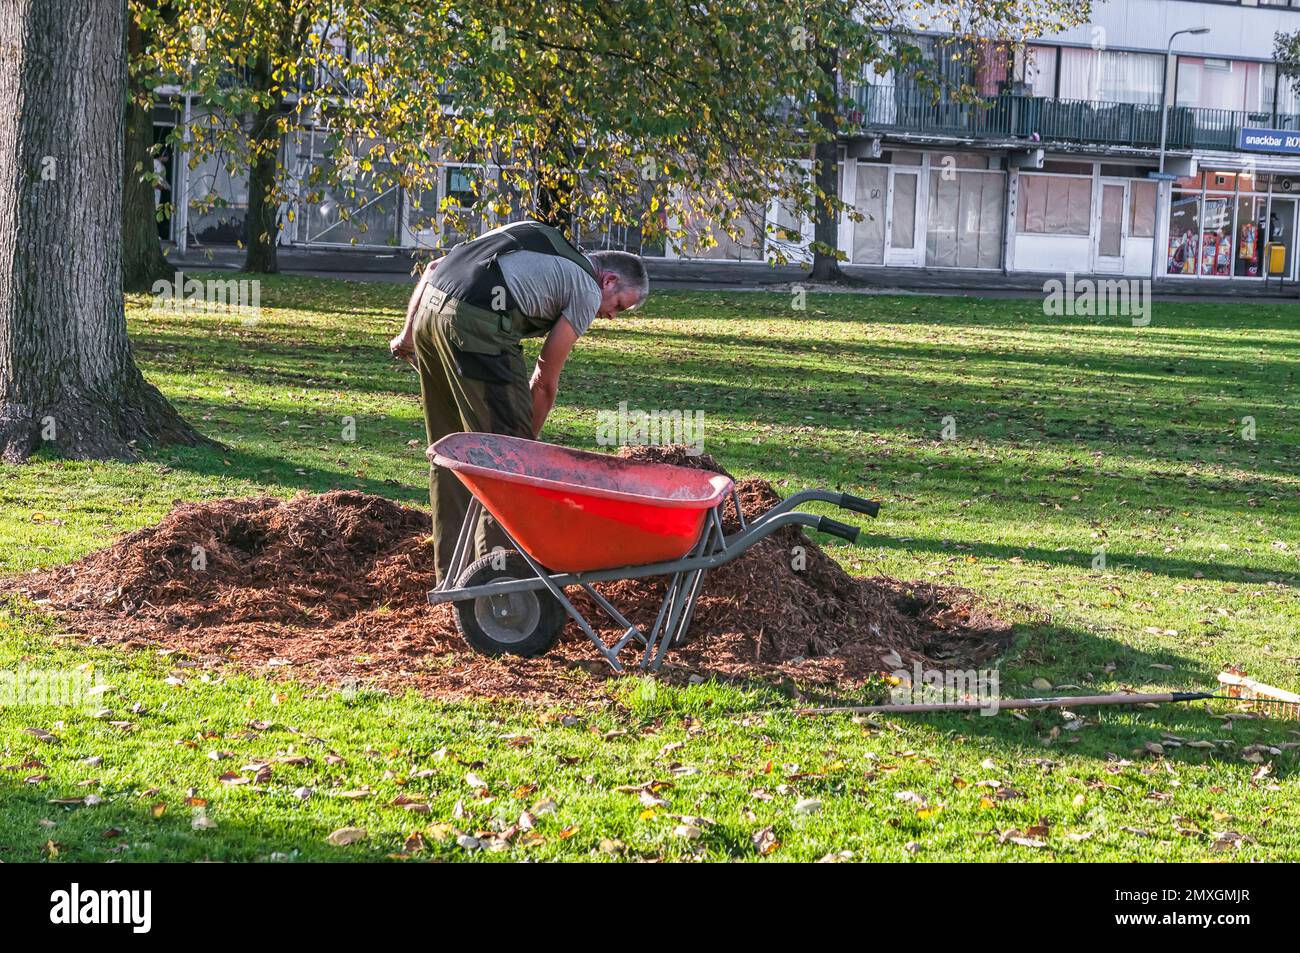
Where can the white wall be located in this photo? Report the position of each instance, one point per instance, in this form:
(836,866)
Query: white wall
(1235,30)
(1137,256)
(1054,253)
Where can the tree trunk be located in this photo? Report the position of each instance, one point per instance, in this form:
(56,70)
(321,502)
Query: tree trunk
(67,377)
(143,261)
(262,226)
(554,208)
(826,223)
(555,199)
(555,202)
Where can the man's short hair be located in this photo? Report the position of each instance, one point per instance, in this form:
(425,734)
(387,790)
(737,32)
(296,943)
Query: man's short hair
(628,267)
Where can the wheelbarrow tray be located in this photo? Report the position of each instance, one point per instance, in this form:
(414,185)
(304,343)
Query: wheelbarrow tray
(576,511)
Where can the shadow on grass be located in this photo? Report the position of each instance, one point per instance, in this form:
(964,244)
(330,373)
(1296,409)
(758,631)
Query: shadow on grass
(1117,561)
(240,463)
(124,828)
(243,464)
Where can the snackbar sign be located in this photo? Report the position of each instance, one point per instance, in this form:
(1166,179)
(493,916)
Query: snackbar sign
(1269,140)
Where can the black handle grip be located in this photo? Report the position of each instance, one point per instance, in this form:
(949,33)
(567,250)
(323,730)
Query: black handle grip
(859,504)
(836,528)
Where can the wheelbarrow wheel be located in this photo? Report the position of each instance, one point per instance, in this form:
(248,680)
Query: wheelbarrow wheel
(516,623)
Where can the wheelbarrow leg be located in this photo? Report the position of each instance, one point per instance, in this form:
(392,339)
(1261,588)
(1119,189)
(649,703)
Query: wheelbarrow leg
(611,656)
(667,613)
(678,614)
(683,591)
(464,545)
(697,583)
(630,631)
(712,544)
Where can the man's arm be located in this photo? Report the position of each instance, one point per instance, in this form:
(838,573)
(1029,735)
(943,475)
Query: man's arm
(403,345)
(545,383)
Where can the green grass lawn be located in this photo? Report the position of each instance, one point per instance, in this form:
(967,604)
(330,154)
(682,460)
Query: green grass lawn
(1069,439)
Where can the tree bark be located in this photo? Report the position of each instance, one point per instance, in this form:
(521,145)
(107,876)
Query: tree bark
(67,376)
(262,225)
(143,261)
(826,223)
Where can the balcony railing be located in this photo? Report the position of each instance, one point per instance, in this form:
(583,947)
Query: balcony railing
(910,109)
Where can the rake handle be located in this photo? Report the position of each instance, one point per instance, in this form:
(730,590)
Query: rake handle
(1058,701)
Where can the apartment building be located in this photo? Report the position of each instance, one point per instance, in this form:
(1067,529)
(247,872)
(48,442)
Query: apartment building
(1055,166)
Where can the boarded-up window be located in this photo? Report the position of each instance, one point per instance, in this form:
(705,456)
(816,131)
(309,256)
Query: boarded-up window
(1142,211)
(869,233)
(1054,205)
(964,226)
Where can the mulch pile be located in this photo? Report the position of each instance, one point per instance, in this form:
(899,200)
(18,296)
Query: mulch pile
(331,588)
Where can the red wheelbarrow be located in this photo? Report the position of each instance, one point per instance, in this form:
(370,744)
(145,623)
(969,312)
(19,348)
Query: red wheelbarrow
(576,518)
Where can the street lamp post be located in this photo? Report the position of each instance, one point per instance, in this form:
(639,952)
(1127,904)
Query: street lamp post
(1164,87)
(1164,131)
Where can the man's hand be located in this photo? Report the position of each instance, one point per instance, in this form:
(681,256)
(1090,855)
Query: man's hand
(402,347)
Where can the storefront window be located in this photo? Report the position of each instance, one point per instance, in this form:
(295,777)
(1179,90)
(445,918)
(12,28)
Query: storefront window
(1184,233)
(1221,234)
(1281,230)
(1250,236)
(964,224)
(1216,236)
(1256,182)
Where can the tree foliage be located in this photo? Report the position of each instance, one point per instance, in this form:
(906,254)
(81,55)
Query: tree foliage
(681,118)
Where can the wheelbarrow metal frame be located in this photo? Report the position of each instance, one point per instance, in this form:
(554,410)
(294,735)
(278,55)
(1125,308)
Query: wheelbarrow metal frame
(685,575)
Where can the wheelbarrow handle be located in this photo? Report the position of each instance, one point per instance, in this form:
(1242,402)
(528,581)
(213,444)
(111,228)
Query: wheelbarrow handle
(836,528)
(859,504)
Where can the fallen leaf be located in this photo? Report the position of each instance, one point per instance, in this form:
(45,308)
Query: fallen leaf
(765,842)
(345,836)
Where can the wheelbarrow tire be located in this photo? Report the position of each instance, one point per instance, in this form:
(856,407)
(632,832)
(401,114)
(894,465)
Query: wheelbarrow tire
(519,623)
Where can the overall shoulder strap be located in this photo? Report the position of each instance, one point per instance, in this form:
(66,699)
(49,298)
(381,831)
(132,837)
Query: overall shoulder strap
(537,237)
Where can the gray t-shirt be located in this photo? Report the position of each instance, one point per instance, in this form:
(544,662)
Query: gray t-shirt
(548,286)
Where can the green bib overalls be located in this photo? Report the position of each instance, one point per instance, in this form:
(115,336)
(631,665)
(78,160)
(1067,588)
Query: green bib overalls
(468,330)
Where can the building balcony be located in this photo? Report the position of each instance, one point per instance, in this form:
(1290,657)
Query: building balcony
(1006,117)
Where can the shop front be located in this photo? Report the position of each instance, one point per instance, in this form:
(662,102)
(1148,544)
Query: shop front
(1084,216)
(1232,224)
(931,209)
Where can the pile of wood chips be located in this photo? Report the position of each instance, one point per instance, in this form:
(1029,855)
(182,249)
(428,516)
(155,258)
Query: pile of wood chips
(331,588)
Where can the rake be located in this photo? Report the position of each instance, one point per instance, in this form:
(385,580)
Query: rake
(1276,701)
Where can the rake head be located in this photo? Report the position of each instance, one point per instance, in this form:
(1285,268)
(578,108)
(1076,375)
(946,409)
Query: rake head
(1277,702)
